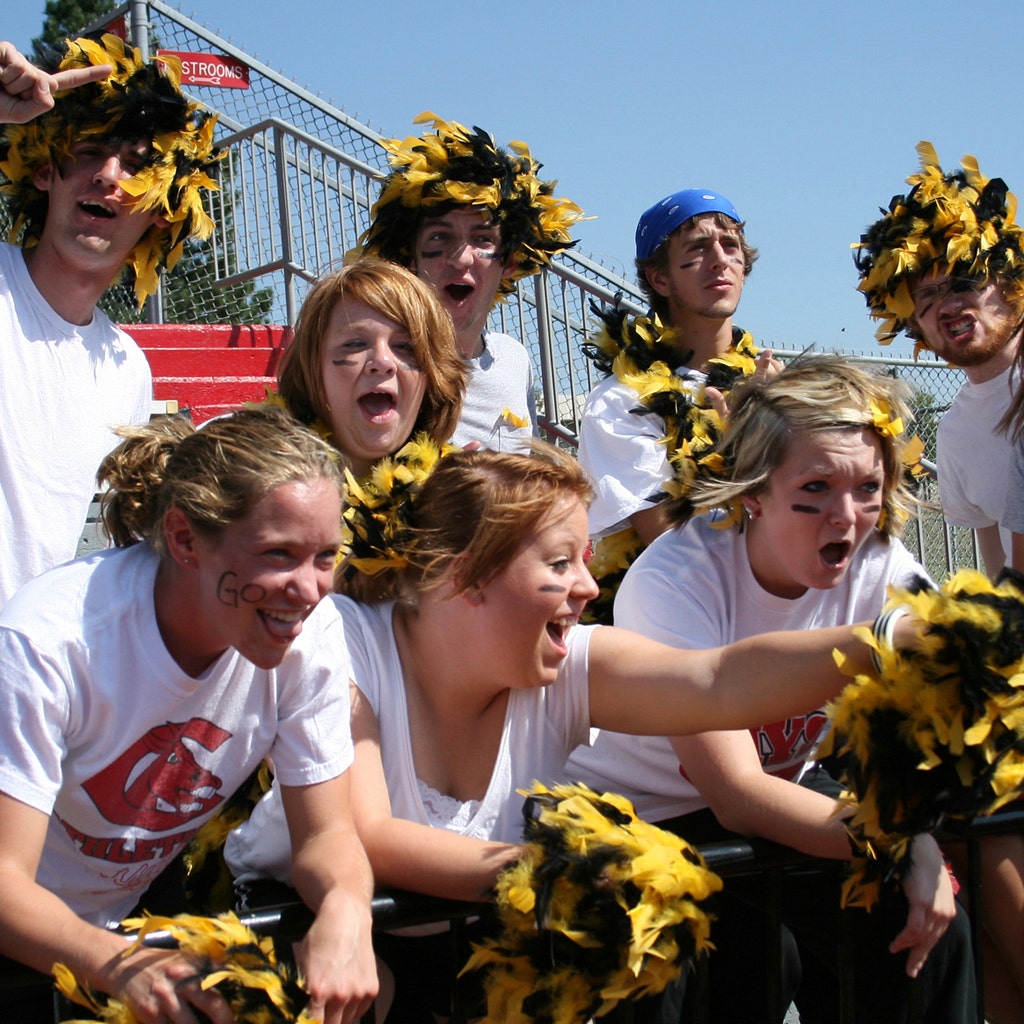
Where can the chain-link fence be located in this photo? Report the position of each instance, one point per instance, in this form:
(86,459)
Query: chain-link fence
(297,184)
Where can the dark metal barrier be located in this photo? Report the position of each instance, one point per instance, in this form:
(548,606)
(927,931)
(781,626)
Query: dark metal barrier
(732,858)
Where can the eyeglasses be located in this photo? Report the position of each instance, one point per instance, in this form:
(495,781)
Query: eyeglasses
(930,293)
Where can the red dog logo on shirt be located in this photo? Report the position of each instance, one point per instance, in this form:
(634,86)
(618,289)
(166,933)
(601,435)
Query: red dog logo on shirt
(157,784)
(789,743)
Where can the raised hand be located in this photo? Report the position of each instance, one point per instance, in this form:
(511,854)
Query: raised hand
(27,91)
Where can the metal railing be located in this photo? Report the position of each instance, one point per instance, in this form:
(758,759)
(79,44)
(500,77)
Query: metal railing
(730,859)
(298,180)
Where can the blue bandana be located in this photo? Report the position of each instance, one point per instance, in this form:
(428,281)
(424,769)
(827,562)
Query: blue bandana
(663,218)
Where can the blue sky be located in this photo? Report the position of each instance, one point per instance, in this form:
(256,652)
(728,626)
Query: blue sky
(805,114)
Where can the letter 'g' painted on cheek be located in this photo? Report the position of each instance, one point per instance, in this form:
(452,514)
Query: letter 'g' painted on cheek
(229,593)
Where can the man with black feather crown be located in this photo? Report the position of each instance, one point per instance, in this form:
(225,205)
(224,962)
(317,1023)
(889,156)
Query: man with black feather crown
(645,426)
(944,264)
(103,166)
(471,219)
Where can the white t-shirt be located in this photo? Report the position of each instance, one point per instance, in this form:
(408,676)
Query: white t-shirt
(500,382)
(64,387)
(624,452)
(974,455)
(1013,514)
(542,724)
(693,588)
(129,755)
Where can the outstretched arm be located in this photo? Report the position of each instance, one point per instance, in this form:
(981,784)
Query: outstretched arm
(726,769)
(640,686)
(27,91)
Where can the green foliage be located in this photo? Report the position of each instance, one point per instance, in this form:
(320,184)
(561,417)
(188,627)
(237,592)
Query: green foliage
(192,296)
(66,18)
(118,302)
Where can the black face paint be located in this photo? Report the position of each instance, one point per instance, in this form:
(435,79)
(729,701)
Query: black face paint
(478,253)
(809,509)
(553,588)
(250,593)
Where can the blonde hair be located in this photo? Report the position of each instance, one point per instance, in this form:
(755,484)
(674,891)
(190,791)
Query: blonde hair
(814,392)
(400,296)
(214,475)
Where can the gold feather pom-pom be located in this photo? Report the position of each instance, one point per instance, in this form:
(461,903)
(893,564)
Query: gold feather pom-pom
(933,737)
(227,955)
(600,907)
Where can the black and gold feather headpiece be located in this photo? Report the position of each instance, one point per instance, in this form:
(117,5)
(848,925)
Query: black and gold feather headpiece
(961,219)
(599,907)
(138,101)
(455,166)
(378,521)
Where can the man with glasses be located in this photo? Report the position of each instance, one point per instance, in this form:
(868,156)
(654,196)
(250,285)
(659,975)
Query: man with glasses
(472,219)
(945,265)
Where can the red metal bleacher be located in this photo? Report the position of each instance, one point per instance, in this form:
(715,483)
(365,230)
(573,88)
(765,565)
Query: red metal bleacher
(209,369)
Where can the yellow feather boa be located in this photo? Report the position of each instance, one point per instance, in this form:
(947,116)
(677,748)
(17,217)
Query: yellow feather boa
(934,737)
(692,427)
(600,907)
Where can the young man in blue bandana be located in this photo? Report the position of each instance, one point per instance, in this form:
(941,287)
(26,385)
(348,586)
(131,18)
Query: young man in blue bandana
(692,260)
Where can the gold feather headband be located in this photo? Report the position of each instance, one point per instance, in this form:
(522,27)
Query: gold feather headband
(714,465)
(378,520)
(454,166)
(962,220)
(137,101)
